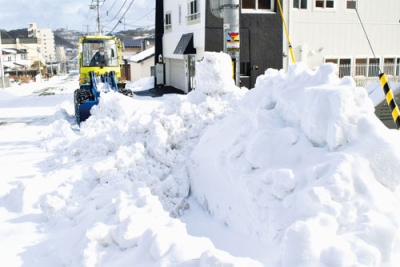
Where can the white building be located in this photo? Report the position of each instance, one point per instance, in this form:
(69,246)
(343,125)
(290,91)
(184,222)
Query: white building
(191,28)
(141,64)
(46,41)
(183,23)
(330,31)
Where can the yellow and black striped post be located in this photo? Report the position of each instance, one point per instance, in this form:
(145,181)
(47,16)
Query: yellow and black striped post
(390,99)
(287,32)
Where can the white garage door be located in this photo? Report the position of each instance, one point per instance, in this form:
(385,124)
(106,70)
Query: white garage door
(177,70)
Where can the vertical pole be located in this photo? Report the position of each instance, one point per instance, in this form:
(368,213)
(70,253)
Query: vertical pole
(286,31)
(98,19)
(390,99)
(51,66)
(1,64)
(158,50)
(231,33)
(40,73)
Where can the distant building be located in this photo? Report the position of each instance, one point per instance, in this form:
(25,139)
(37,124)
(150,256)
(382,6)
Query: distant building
(132,47)
(46,45)
(135,68)
(30,45)
(141,64)
(15,61)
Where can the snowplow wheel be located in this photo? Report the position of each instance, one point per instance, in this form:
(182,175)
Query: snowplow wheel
(126,92)
(76,103)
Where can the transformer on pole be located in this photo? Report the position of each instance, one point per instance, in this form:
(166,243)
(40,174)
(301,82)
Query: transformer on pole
(228,10)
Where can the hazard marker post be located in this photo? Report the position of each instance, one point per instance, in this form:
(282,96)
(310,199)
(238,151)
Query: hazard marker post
(390,99)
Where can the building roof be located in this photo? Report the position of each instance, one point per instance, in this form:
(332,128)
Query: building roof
(142,56)
(133,43)
(12,51)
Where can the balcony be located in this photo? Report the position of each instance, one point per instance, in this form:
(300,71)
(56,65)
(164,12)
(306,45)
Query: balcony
(193,18)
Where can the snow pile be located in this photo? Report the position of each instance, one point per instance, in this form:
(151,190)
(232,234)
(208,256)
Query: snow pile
(142,84)
(304,162)
(296,172)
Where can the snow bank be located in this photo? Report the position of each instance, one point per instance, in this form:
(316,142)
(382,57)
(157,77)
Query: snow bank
(304,162)
(299,165)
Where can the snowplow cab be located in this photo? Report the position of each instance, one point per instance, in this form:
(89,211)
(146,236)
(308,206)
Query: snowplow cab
(88,50)
(100,64)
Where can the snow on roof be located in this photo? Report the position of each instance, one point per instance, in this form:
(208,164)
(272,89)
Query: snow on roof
(9,51)
(139,57)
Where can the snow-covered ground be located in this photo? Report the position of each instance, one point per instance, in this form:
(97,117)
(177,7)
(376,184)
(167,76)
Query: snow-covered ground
(295,172)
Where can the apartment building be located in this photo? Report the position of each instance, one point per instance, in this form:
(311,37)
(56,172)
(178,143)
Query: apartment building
(46,45)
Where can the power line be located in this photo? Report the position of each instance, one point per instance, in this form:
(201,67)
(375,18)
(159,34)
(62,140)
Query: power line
(122,17)
(117,12)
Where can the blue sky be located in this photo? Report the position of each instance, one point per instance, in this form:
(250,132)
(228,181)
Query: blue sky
(76,14)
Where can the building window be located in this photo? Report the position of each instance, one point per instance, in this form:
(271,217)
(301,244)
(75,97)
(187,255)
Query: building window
(398,67)
(361,67)
(168,24)
(373,67)
(344,65)
(351,4)
(300,4)
(389,66)
(258,4)
(180,14)
(193,12)
(324,3)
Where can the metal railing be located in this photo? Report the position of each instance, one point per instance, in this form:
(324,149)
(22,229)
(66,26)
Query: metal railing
(193,18)
(369,70)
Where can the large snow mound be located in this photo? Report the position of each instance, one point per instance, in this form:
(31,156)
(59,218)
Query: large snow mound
(305,163)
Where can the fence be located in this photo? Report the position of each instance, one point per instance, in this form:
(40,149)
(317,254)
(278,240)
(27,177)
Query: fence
(366,73)
(369,70)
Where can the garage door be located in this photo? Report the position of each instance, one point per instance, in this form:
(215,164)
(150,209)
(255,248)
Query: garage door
(177,71)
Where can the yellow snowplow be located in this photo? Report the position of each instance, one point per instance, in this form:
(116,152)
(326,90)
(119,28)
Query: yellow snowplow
(100,63)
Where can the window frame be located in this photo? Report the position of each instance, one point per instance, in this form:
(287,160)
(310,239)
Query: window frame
(180,14)
(324,3)
(259,10)
(193,12)
(168,21)
(350,2)
(344,69)
(389,68)
(299,4)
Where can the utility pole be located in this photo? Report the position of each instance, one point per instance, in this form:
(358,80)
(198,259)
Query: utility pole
(228,10)
(98,19)
(159,77)
(40,72)
(97,6)
(1,65)
(51,66)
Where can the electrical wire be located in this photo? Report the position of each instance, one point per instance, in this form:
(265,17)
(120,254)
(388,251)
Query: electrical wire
(121,17)
(117,13)
(365,32)
(144,15)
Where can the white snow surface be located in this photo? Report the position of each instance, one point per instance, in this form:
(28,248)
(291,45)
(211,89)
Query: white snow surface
(297,171)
